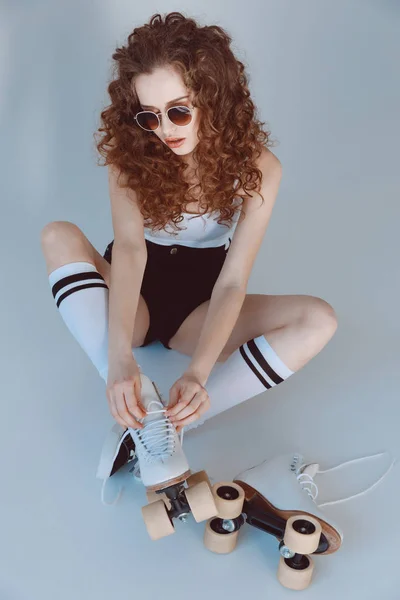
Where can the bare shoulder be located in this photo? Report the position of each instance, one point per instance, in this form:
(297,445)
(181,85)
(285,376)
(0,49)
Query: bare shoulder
(268,162)
(269,165)
(126,216)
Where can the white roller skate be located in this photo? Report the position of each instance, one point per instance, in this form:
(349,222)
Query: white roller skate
(161,465)
(173,492)
(157,446)
(278,496)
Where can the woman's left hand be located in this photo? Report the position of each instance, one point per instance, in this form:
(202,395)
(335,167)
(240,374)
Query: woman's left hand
(188,401)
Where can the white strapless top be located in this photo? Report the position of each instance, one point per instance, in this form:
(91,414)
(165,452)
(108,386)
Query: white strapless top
(198,231)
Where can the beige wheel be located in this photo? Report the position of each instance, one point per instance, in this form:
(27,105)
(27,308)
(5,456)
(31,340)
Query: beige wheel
(220,543)
(153,497)
(302,534)
(201,501)
(229,498)
(295,579)
(157,520)
(197,478)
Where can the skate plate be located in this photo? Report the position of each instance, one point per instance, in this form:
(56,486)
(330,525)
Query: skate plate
(256,503)
(300,534)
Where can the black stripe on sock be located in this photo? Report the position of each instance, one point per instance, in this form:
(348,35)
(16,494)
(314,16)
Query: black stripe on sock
(252,367)
(80,287)
(263,363)
(72,278)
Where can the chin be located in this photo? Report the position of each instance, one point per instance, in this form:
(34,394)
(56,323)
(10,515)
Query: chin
(181,151)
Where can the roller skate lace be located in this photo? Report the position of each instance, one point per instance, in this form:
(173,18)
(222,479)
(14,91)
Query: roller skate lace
(306,473)
(156,441)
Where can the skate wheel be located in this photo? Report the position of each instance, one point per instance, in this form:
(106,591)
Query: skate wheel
(153,497)
(157,521)
(201,501)
(229,499)
(295,579)
(302,534)
(220,543)
(197,478)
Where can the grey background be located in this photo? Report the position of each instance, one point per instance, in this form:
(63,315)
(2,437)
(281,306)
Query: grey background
(323,75)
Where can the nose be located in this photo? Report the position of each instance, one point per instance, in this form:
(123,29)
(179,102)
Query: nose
(168,128)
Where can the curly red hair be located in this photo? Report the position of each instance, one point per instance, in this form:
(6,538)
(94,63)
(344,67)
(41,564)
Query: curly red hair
(231,138)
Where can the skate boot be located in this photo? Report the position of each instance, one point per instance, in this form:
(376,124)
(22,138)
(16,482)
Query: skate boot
(278,497)
(118,450)
(164,470)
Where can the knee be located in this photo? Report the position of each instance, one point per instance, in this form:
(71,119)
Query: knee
(321,315)
(55,231)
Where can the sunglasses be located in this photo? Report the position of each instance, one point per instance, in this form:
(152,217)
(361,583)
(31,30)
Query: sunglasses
(150,121)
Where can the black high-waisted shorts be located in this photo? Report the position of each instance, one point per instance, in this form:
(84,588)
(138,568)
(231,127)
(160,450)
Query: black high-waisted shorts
(176,280)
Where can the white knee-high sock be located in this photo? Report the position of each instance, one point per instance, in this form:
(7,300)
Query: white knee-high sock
(249,371)
(81,295)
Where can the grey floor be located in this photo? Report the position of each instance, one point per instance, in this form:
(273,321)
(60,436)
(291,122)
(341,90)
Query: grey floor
(323,75)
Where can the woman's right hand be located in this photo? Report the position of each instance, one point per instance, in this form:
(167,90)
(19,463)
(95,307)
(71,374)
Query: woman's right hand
(124,392)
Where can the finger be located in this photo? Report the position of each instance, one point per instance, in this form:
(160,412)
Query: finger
(114,412)
(173,412)
(132,405)
(143,411)
(187,393)
(187,421)
(173,396)
(189,409)
(185,398)
(123,411)
(138,392)
(120,403)
(204,406)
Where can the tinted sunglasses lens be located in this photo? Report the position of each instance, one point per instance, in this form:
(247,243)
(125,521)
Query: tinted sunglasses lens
(148,120)
(180,115)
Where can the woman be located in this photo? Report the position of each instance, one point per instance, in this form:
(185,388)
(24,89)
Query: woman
(176,210)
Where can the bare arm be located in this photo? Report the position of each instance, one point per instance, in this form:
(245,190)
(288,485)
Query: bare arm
(129,259)
(127,269)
